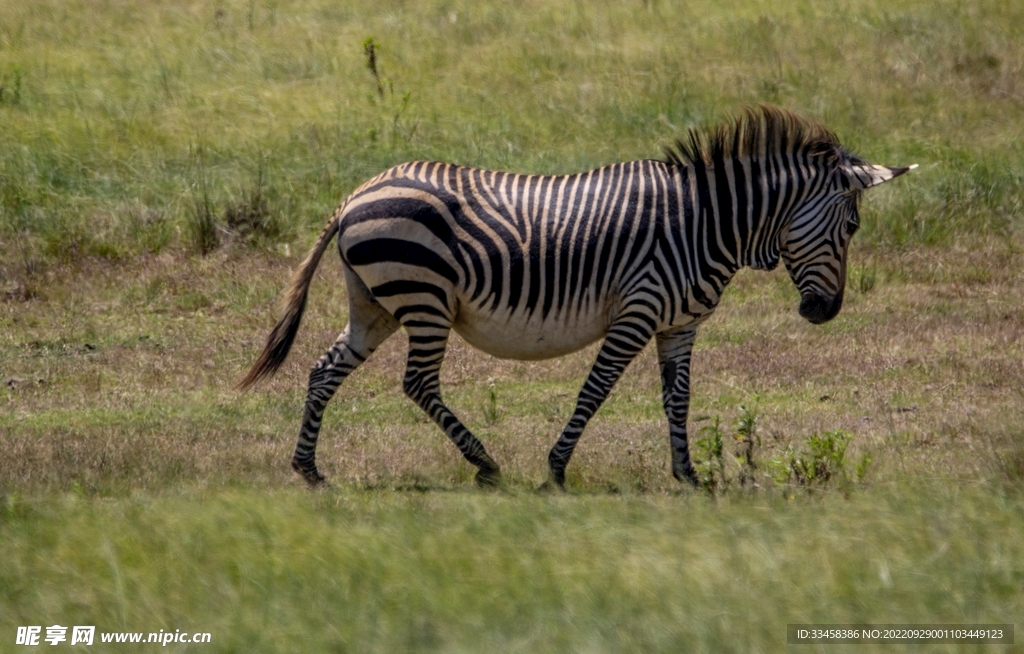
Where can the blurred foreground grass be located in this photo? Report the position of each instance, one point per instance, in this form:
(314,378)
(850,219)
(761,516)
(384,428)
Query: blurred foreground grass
(394,571)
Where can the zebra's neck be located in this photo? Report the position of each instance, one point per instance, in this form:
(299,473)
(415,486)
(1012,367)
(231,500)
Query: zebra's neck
(743,204)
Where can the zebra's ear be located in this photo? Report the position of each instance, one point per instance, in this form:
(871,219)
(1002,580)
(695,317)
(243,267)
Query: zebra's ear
(865,175)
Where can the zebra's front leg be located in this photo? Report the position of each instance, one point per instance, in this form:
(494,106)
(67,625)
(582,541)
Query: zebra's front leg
(422,384)
(620,347)
(674,348)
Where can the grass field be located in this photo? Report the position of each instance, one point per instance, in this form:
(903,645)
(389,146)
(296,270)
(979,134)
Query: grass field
(163,168)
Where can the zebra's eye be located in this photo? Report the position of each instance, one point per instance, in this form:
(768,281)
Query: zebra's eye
(851,227)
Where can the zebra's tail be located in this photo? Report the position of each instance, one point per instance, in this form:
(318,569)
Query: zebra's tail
(283,335)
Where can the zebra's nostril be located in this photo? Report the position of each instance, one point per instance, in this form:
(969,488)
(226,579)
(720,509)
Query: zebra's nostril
(817,308)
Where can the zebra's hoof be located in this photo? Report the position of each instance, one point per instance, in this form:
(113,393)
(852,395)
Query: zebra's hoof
(488,478)
(689,475)
(310,474)
(552,485)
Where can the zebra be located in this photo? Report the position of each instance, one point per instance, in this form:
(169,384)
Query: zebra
(538,266)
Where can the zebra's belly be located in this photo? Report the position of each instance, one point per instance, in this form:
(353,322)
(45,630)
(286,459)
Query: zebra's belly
(521,336)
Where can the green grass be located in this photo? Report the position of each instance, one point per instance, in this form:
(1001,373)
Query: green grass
(164,166)
(386,571)
(111,143)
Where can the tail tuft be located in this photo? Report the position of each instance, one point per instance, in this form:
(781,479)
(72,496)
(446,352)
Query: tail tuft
(280,340)
(279,343)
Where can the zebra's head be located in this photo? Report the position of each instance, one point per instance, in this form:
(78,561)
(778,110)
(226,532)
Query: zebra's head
(815,241)
(794,173)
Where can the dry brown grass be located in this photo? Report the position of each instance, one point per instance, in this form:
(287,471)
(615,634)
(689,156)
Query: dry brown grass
(119,378)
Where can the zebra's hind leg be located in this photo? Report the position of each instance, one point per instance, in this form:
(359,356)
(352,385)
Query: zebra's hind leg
(369,325)
(427,343)
(674,348)
(620,347)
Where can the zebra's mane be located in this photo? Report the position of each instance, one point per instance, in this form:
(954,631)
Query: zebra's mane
(777,128)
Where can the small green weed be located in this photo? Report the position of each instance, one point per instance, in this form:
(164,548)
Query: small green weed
(491,412)
(863,466)
(710,464)
(864,278)
(820,461)
(709,455)
(748,440)
(394,107)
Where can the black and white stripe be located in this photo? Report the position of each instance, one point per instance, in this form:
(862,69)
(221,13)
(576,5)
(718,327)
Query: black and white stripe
(531,266)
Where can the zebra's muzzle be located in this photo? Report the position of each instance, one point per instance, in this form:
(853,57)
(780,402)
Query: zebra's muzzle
(818,308)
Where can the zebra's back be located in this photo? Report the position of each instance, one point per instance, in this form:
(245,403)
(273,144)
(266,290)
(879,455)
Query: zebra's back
(521,266)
